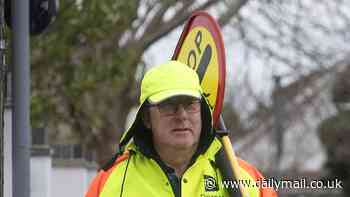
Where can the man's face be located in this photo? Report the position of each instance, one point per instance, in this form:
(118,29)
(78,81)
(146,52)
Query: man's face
(176,122)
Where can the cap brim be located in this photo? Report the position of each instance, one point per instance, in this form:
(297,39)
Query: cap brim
(161,96)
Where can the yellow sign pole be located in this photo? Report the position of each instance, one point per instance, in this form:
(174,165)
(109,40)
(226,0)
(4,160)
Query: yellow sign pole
(231,156)
(201,47)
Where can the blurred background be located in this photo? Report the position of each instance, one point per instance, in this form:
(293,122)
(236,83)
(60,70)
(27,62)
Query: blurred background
(287,102)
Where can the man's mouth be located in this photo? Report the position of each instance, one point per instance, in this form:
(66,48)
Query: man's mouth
(182,130)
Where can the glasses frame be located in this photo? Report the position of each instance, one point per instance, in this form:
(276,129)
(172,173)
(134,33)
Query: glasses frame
(171,108)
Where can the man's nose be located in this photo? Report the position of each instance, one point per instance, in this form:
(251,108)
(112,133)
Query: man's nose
(181,111)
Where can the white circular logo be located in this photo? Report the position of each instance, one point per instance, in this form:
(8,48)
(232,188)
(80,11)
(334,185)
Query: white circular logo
(210,183)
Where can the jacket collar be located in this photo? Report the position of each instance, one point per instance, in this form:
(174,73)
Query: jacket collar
(149,151)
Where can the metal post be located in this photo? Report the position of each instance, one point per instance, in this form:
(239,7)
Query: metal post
(21,96)
(2,93)
(278,110)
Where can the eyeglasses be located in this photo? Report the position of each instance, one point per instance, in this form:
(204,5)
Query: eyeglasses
(170,107)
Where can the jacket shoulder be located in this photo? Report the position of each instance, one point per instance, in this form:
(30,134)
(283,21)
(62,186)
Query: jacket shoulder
(100,179)
(255,173)
(257,176)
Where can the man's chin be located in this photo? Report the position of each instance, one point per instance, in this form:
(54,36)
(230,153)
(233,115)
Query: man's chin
(184,145)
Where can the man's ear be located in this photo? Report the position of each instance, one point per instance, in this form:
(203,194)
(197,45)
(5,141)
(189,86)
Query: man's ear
(146,118)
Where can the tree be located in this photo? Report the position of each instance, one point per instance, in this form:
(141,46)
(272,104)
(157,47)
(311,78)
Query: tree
(84,69)
(303,42)
(334,131)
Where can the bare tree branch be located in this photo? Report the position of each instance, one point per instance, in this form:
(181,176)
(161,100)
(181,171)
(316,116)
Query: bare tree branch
(232,10)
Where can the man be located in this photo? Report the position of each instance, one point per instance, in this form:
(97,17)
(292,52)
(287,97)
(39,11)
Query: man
(174,147)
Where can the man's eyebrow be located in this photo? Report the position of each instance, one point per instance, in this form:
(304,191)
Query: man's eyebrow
(180,99)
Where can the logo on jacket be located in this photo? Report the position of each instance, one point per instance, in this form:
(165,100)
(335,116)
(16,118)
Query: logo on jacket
(210,184)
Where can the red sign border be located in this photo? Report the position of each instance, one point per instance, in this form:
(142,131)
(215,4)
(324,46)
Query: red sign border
(203,19)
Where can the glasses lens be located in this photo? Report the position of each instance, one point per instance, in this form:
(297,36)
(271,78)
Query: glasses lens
(193,106)
(167,108)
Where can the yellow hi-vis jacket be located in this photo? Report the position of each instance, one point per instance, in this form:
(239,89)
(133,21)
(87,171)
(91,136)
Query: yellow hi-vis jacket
(139,172)
(135,175)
